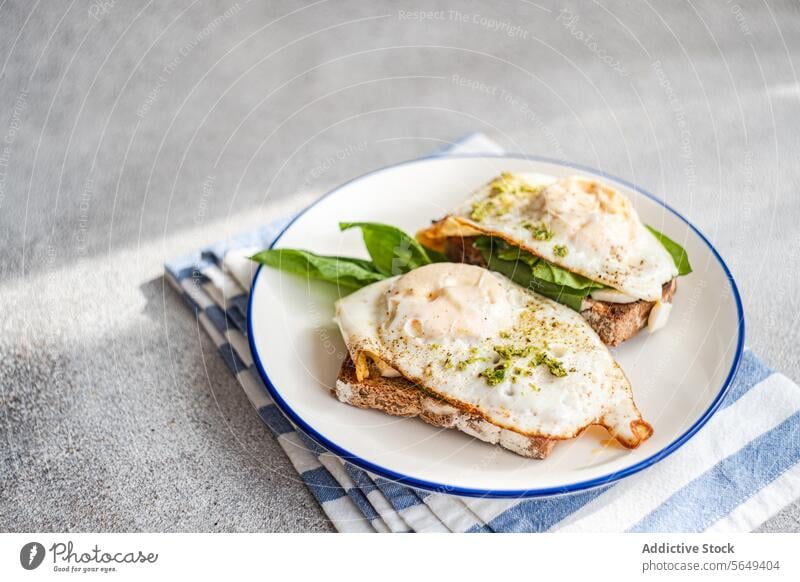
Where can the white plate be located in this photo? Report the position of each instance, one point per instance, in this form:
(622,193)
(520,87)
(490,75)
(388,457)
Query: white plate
(679,375)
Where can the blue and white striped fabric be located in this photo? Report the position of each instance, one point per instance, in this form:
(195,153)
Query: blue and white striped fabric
(739,470)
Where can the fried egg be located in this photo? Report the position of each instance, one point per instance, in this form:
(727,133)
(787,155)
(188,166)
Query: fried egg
(578,223)
(478,341)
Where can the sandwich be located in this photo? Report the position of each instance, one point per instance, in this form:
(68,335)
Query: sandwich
(575,240)
(460,346)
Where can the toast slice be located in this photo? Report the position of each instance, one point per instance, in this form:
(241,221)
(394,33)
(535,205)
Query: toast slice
(613,322)
(399,397)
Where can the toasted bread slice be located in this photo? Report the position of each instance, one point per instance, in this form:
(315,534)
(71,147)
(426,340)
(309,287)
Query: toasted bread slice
(613,322)
(399,397)
(617,322)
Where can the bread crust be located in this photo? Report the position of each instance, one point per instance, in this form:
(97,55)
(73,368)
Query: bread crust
(617,322)
(400,397)
(613,322)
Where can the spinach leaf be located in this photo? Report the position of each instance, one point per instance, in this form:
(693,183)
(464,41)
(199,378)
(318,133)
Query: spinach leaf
(543,269)
(393,252)
(677,252)
(521,273)
(344,271)
(536,274)
(436,256)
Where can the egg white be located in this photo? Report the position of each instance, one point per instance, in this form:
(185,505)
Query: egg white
(602,233)
(534,402)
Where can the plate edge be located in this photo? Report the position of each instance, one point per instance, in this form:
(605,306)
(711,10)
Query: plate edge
(508,493)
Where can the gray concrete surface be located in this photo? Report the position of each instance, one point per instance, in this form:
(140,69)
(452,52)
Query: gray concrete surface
(132,131)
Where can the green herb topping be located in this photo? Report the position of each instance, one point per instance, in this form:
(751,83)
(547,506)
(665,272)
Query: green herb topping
(503,195)
(496,374)
(485,208)
(509,183)
(556,367)
(508,354)
(539,230)
(462,365)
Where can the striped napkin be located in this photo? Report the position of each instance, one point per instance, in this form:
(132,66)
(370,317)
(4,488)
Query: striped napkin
(739,470)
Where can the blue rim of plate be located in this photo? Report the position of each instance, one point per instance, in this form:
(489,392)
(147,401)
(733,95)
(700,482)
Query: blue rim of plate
(505,493)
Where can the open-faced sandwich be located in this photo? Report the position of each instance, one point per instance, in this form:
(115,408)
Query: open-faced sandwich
(575,240)
(463,347)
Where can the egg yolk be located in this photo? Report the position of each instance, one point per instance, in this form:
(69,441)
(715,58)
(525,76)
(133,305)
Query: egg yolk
(447,300)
